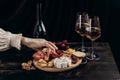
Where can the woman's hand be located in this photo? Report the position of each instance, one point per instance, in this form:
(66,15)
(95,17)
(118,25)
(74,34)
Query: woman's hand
(37,43)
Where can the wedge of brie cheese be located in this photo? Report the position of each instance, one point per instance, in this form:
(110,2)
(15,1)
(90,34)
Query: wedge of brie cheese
(62,62)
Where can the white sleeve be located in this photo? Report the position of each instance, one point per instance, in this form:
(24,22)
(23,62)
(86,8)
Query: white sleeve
(8,40)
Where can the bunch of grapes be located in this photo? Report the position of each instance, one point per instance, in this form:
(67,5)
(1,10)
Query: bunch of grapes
(63,45)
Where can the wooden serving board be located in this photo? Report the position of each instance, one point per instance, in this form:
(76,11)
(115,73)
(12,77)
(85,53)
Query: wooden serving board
(57,69)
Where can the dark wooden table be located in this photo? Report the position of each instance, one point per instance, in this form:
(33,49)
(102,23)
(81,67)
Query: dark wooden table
(103,69)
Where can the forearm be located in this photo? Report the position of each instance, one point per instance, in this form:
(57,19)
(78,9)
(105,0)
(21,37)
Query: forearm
(8,40)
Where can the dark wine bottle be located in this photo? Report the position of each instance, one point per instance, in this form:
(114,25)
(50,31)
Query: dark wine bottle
(39,29)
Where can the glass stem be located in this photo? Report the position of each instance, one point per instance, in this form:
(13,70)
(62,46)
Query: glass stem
(83,44)
(92,53)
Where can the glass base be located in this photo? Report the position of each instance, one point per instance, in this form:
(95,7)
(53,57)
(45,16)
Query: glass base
(93,57)
(84,61)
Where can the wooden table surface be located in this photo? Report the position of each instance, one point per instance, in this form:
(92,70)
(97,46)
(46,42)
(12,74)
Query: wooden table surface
(103,69)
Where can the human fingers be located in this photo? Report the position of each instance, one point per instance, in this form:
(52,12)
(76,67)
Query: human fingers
(53,45)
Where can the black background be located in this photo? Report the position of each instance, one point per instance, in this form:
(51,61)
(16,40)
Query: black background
(19,16)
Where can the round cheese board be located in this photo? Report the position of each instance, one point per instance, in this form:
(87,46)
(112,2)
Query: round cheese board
(54,69)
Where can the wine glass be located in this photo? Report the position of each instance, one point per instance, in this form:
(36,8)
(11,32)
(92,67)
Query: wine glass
(93,33)
(39,29)
(80,27)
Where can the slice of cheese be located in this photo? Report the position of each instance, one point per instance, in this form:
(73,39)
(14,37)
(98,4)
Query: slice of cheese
(79,54)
